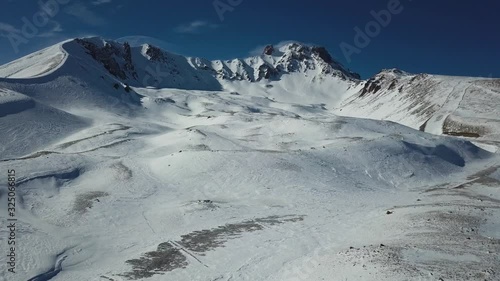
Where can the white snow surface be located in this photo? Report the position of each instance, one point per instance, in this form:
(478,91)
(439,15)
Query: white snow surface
(462,106)
(257,180)
(37,64)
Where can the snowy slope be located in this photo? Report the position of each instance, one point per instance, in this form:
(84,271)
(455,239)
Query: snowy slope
(217,186)
(459,106)
(292,72)
(232,177)
(313,69)
(37,64)
(76,83)
(28,126)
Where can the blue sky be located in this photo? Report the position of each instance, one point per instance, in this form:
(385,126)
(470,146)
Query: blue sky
(441,37)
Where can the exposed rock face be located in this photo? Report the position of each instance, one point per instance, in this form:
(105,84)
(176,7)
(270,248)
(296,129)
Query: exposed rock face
(106,56)
(129,65)
(371,86)
(323,54)
(268,50)
(393,84)
(266,72)
(155,54)
(419,77)
(389,80)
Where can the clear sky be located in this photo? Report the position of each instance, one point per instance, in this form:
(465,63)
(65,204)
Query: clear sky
(442,37)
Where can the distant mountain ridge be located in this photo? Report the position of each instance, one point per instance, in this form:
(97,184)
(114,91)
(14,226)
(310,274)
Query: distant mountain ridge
(99,71)
(148,65)
(121,61)
(458,106)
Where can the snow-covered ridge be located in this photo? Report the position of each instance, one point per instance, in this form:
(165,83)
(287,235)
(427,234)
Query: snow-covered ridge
(37,64)
(289,58)
(148,65)
(290,73)
(460,106)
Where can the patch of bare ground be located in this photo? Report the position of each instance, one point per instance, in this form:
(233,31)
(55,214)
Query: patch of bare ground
(455,128)
(85,201)
(122,172)
(482,177)
(492,84)
(172,255)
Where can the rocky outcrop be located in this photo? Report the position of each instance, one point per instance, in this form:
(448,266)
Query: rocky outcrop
(266,72)
(371,86)
(268,50)
(155,54)
(323,54)
(129,65)
(106,56)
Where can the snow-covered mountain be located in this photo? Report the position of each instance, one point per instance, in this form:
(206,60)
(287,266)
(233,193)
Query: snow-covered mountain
(291,72)
(458,106)
(133,163)
(148,65)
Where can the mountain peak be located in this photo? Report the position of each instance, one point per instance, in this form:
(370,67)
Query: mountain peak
(323,54)
(298,48)
(394,71)
(295,56)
